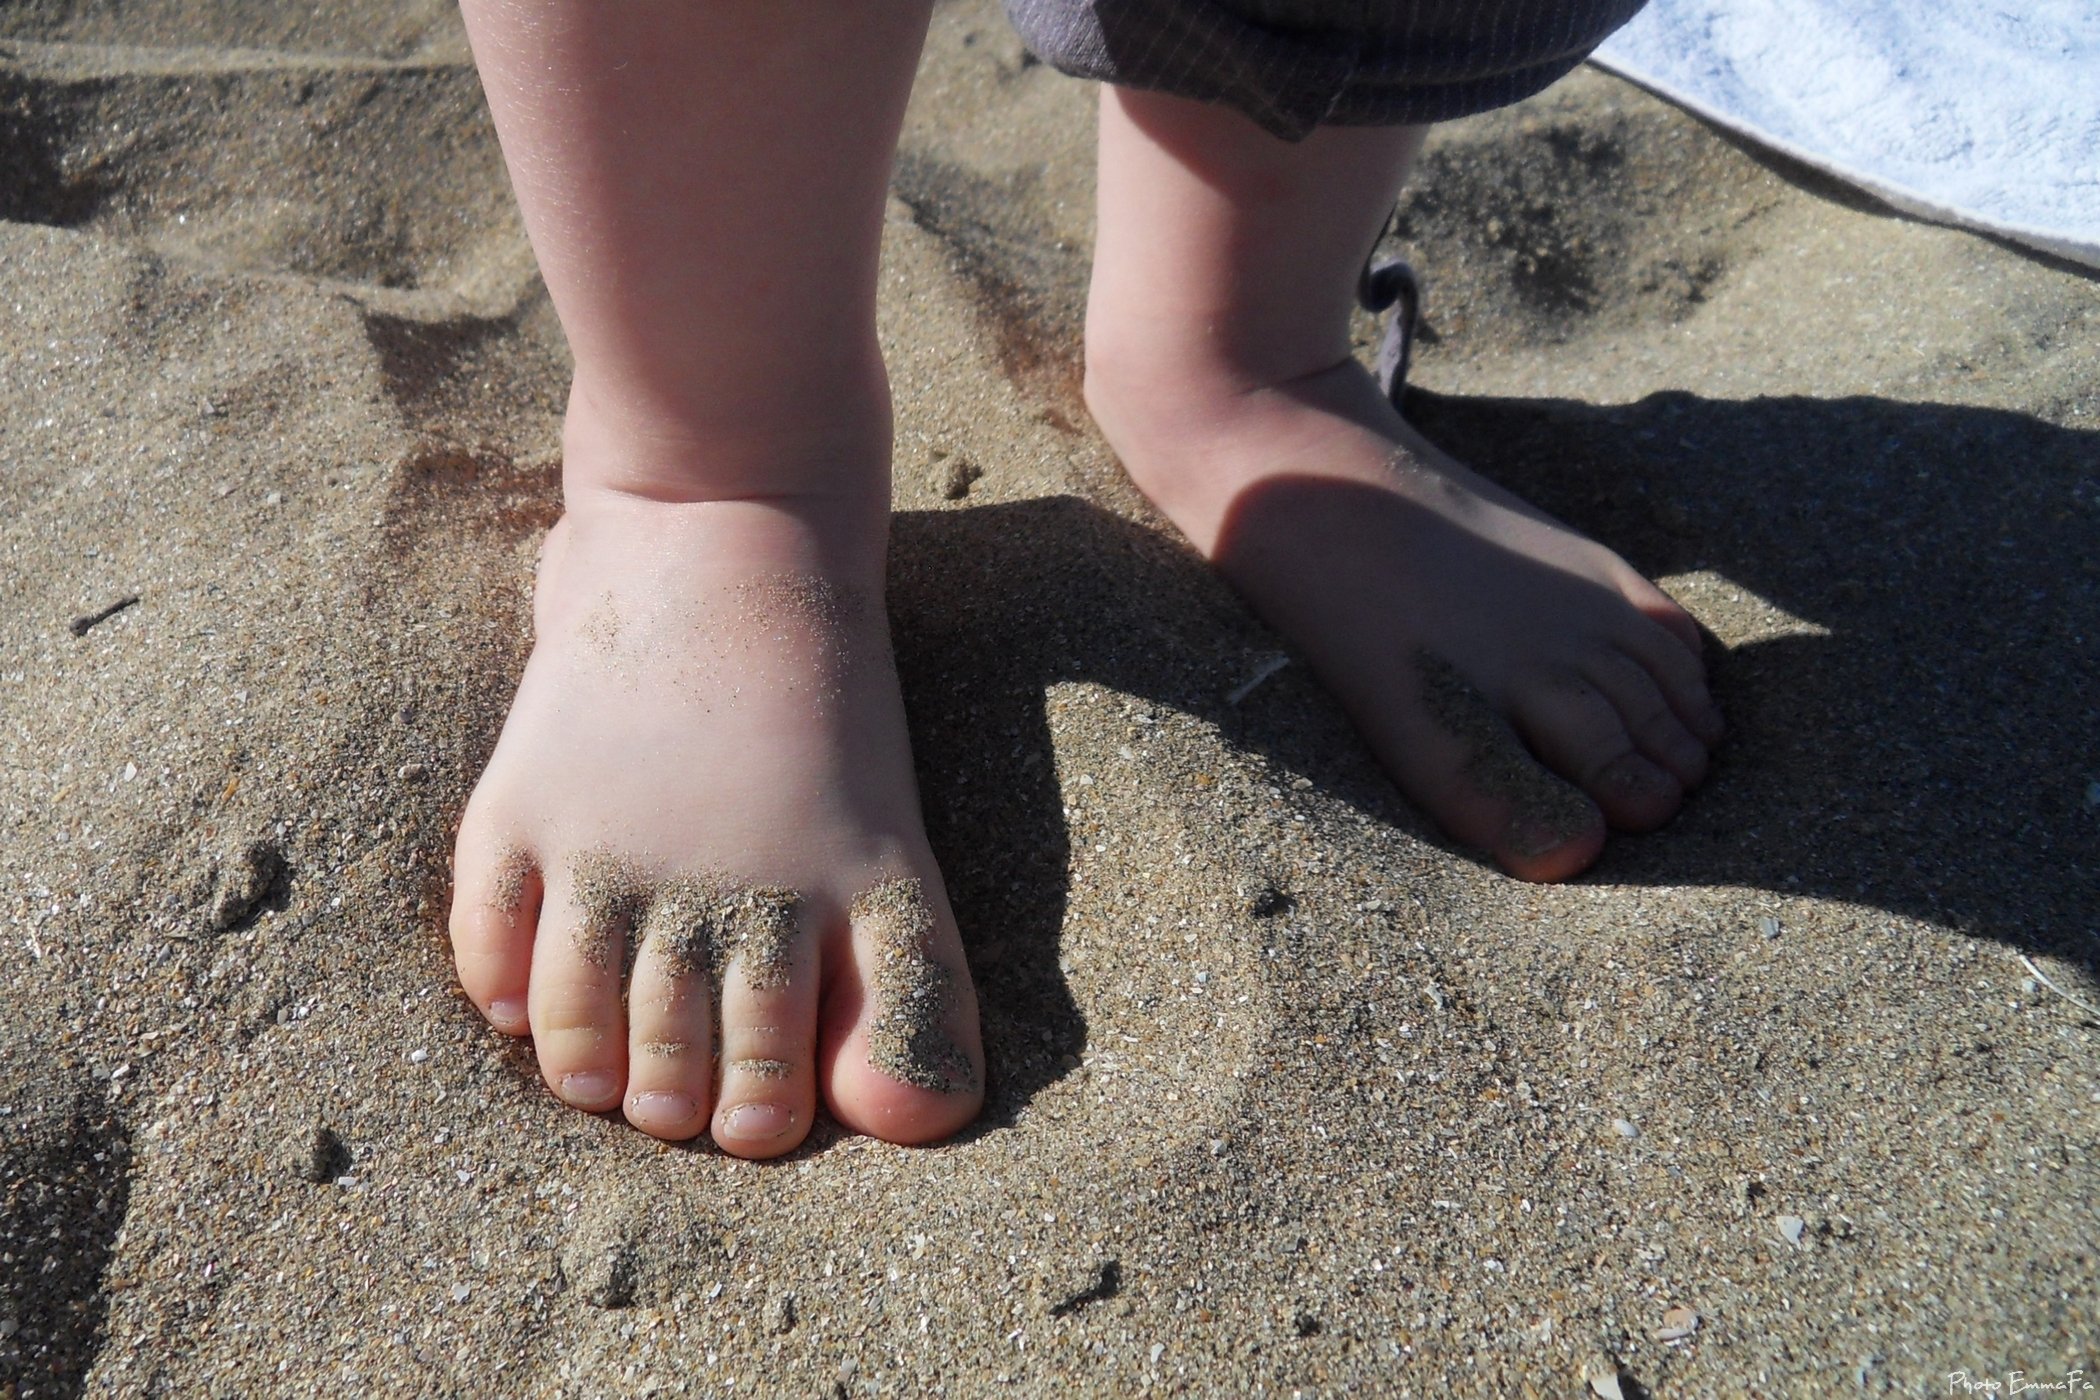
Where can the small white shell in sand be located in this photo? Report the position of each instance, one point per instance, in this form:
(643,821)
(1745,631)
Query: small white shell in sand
(1601,1375)
(1678,1323)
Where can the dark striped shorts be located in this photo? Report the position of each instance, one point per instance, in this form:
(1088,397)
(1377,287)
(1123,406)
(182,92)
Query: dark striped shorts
(1292,65)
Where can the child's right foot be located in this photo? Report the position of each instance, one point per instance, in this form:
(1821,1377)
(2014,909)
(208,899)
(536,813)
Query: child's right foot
(706,766)
(705,779)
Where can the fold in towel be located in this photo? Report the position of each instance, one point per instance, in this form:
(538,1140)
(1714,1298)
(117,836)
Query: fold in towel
(1986,116)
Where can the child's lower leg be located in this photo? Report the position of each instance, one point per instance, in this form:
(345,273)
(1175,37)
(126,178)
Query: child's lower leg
(705,772)
(1449,617)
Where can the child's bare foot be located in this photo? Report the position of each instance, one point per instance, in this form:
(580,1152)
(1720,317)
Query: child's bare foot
(1481,647)
(1433,603)
(694,871)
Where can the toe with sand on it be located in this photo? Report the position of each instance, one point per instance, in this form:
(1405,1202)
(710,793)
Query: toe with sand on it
(902,1053)
(496,897)
(886,1033)
(1613,743)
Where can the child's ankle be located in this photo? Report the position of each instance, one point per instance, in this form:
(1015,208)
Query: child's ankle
(835,448)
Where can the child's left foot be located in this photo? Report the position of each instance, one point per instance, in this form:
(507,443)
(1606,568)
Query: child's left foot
(1452,619)
(1481,647)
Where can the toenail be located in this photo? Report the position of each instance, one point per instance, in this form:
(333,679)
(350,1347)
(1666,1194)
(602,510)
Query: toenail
(757,1121)
(589,1089)
(1530,839)
(665,1110)
(507,1011)
(1533,834)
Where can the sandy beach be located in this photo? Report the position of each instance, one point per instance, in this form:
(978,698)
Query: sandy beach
(1799,1095)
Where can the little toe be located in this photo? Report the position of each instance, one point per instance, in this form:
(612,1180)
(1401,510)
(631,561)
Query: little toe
(670,1025)
(902,1057)
(495,909)
(1580,734)
(768,1097)
(578,1026)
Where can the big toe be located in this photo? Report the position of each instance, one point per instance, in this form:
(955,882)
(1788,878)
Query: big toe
(902,1056)
(1552,833)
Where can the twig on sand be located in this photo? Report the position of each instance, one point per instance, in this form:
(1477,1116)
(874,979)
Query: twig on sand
(2043,978)
(81,626)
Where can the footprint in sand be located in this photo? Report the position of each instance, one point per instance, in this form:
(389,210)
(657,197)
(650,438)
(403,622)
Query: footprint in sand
(254,159)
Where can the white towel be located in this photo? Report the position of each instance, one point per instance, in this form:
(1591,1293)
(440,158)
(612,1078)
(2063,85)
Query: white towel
(1979,113)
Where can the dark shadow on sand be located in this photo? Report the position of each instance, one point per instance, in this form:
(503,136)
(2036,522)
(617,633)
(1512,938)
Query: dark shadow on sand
(1932,755)
(65,1185)
(991,607)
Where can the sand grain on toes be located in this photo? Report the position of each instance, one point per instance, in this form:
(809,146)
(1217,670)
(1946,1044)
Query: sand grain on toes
(678,928)
(612,895)
(506,890)
(762,1069)
(814,610)
(697,924)
(753,928)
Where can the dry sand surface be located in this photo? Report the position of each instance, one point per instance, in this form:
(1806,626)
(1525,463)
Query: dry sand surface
(1286,1094)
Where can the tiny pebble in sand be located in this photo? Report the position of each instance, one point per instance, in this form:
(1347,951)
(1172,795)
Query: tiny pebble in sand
(1678,1323)
(954,477)
(246,874)
(317,1154)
